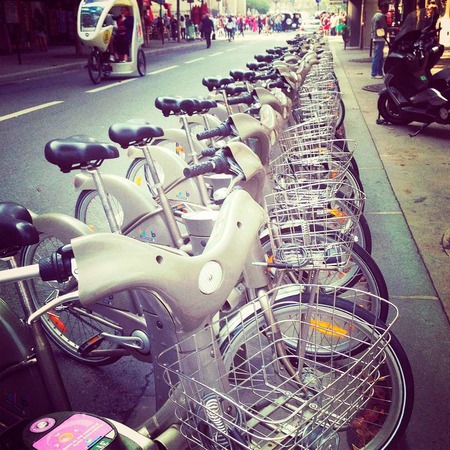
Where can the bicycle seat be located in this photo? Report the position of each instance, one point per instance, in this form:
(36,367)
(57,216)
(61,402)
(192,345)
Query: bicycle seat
(76,151)
(264,58)
(232,89)
(257,66)
(168,105)
(213,83)
(275,51)
(129,133)
(206,104)
(16,229)
(242,75)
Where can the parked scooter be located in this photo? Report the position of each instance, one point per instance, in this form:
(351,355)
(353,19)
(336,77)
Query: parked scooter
(412,93)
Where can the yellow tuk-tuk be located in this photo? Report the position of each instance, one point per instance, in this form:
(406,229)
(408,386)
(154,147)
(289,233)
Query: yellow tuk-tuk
(113,30)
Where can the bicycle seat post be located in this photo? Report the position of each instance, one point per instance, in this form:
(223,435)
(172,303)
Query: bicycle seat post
(163,199)
(193,154)
(104,198)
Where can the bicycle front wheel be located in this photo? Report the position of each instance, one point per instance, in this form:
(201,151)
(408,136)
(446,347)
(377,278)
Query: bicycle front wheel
(70,325)
(370,414)
(361,272)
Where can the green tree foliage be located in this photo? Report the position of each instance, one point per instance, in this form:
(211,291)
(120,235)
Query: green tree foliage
(262,6)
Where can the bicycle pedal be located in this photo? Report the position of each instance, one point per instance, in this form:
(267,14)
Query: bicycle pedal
(90,345)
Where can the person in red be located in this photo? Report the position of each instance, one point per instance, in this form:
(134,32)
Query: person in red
(123,35)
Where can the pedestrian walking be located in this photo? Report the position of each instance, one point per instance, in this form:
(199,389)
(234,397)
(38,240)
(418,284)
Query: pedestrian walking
(207,27)
(230,29)
(379,32)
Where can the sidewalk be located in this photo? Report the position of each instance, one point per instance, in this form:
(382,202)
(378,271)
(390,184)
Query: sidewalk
(60,57)
(406,180)
(417,167)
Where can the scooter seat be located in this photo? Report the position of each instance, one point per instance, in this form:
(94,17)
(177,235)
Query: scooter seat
(429,96)
(16,229)
(133,132)
(75,151)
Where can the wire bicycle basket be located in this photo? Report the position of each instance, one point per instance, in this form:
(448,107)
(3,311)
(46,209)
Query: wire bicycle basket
(338,360)
(311,226)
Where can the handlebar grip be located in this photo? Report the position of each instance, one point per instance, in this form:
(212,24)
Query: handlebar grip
(217,164)
(223,130)
(277,84)
(208,152)
(198,169)
(247,99)
(57,266)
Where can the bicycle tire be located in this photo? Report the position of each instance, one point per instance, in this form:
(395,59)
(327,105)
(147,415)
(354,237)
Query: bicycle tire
(340,114)
(341,145)
(141,63)
(364,234)
(69,326)
(94,67)
(387,413)
(361,272)
(89,210)
(139,174)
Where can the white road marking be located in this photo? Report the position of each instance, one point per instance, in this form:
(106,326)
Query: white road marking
(29,110)
(216,54)
(193,60)
(162,70)
(108,86)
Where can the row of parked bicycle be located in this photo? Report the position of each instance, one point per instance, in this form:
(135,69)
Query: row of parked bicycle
(234,257)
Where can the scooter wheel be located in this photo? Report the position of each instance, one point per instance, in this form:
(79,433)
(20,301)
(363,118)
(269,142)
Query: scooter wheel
(390,111)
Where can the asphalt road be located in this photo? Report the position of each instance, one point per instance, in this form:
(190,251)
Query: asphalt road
(66,103)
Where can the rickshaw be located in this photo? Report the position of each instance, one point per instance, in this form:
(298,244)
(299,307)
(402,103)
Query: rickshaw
(97,28)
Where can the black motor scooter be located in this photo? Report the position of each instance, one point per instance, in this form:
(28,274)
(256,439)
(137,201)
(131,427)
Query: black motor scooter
(411,92)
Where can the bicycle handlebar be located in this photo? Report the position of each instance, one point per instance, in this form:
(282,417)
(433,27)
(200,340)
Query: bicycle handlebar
(211,151)
(247,99)
(223,130)
(217,164)
(57,266)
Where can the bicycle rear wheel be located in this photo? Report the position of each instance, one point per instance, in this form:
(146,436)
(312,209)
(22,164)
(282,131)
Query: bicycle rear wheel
(339,335)
(71,325)
(94,67)
(89,209)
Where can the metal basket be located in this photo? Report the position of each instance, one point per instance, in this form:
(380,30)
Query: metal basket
(320,128)
(337,364)
(290,169)
(313,226)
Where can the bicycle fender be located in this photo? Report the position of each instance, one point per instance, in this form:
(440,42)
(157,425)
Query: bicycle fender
(170,169)
(61,226)
(250,128)
(192,288)
(135,201)
(179,136)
